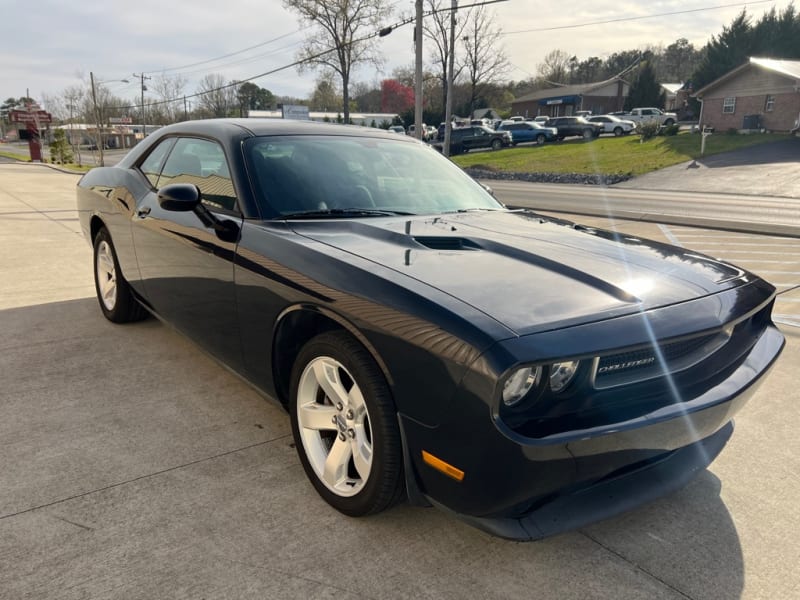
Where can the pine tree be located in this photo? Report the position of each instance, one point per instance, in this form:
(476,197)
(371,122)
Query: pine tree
(645,90)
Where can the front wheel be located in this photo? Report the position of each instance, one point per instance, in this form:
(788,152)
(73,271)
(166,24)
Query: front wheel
(588,134)
(113,292)
(540,139)
(618,131)
(344,425)
(496,144)
(669,123)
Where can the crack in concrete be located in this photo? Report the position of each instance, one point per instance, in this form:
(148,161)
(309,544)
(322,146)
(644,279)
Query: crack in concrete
(636,566)
(142,477)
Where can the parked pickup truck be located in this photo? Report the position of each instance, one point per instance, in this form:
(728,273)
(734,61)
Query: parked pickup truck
(648,115)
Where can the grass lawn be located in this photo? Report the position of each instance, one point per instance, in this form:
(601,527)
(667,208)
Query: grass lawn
(609,155)
(25,158)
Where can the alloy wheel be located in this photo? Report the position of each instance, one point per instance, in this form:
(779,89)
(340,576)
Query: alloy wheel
(334,426)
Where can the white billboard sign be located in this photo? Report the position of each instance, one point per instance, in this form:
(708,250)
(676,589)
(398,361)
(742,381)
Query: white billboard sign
(295,111)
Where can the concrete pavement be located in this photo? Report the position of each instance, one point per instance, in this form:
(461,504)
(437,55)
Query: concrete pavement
(134,466)
(766,170)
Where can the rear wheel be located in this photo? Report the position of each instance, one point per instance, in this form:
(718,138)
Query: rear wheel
(113,292)
(344,425)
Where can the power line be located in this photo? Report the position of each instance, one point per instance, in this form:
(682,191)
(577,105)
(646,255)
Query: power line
(387,30)
(210,60)
(242,51)
(624,19)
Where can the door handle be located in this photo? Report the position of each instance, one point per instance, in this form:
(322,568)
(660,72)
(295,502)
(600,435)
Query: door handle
(143,212)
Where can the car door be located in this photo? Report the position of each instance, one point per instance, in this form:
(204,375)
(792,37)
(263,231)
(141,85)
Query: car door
(524,132)
(186,265)
(474,138)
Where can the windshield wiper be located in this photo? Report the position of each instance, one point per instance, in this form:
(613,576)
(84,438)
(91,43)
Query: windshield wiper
(344,213)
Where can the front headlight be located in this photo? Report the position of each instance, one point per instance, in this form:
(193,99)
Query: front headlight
(519,384)
(562,374)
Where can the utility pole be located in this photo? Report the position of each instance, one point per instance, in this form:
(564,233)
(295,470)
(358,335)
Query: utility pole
(97,120)
(448,111)
(418,133)
(142,76)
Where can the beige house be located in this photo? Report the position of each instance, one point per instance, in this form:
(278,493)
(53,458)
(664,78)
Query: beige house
(600,98)
(763,93)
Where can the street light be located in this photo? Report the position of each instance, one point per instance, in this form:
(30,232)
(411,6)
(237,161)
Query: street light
(97,113)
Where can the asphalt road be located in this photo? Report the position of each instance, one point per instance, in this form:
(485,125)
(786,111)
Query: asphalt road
(134,466)
(744,211)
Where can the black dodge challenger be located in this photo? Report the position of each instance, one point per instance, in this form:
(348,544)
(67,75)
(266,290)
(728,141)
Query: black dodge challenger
(524,373)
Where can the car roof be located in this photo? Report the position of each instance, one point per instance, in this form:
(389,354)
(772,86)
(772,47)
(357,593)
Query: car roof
(256,126)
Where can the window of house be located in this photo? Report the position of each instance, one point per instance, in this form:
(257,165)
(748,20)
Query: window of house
(729,105)
(770,103)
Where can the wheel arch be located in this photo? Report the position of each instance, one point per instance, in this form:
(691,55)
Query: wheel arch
(95,225)
(295,326)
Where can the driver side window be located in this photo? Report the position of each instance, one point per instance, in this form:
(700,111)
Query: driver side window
(202,163)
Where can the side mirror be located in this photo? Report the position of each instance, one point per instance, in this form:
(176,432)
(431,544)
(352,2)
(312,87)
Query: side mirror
(179,197)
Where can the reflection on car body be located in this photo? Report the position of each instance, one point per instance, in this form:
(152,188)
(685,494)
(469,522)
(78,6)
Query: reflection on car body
(525,373)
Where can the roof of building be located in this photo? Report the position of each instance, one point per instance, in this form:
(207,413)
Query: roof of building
(579,89)
(672,88)
(788,68)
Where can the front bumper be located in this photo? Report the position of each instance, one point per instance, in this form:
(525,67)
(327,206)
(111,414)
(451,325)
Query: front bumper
(610,496)
(523,488)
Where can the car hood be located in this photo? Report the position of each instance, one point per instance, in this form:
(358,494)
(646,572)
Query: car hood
(529,272)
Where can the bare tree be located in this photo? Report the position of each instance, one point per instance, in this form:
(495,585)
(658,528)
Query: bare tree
(436,28)
(217,98)
(336,36)
(485,60)
(367,96)
(170,92)
(555,67)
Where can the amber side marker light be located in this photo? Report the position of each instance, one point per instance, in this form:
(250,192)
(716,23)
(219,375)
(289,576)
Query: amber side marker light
(440,465)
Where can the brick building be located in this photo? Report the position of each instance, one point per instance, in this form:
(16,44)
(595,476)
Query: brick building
(599,98)
(763,93)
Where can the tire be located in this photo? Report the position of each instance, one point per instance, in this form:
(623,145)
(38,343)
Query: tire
(344,425)
(113,293)
(618,131)
(496,144)
(669,122)
(560,138)
(588,134)
(540,139)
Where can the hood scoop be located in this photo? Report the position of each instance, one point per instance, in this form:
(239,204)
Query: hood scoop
(446,242)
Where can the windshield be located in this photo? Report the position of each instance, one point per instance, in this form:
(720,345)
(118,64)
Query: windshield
(334,176)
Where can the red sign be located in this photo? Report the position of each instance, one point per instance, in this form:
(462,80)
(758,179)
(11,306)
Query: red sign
(34,116)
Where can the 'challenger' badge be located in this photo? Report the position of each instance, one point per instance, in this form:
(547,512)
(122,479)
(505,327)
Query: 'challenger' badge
(627,365)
